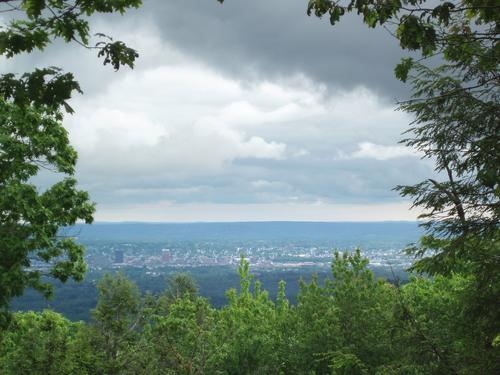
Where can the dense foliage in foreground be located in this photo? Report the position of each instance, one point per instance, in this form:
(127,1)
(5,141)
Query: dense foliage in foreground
(352,324)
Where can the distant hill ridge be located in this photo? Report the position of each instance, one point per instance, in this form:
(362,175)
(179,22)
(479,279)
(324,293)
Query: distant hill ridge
(274,230)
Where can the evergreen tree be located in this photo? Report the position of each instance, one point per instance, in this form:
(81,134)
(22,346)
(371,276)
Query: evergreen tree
(117,322)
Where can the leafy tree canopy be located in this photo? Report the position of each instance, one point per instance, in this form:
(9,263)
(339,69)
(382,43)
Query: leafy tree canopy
(464,31)
(353,324)
(32,138)
(43,21)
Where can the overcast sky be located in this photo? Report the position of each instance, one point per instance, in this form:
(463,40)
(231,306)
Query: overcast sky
(248,110)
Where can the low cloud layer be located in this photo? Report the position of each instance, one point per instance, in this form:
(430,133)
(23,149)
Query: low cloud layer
(368,150)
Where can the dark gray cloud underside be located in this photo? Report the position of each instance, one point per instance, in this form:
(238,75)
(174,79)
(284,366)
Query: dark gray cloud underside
(273,38)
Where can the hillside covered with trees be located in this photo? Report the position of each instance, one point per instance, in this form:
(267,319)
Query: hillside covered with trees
(352,323)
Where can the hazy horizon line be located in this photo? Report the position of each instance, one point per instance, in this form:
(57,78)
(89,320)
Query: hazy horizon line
(251,221)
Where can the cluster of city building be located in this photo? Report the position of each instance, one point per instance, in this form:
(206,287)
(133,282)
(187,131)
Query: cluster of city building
(286,256)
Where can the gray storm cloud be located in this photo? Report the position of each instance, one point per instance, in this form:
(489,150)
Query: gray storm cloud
(264,39)
(249,103)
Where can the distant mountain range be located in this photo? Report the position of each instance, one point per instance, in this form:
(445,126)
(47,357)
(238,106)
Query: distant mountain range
(326,231)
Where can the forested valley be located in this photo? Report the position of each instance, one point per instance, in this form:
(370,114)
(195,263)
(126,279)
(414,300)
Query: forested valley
(352,323)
